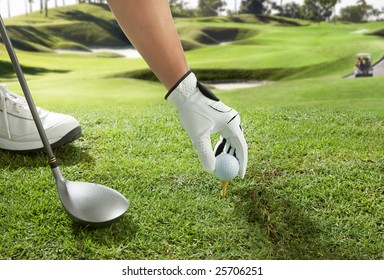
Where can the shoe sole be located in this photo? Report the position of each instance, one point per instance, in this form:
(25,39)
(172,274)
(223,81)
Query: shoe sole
(69,137)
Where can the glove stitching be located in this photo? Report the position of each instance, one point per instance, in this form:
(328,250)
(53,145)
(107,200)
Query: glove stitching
(233,118)
(220,111)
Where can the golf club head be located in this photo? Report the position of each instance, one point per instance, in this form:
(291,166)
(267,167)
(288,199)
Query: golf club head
(86,203)
(90,204)
(93,204)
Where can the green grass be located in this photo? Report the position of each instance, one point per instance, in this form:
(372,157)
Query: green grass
(314,184)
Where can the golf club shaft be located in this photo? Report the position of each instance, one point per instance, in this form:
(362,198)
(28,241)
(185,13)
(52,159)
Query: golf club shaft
(27,94)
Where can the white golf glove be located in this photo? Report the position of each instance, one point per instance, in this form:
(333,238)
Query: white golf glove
(202,114)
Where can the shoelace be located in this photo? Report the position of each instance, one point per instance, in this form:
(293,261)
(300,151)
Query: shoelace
(14,99)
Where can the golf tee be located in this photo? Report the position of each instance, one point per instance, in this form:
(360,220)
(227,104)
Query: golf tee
(224,185)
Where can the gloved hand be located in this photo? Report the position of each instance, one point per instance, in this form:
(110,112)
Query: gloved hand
(202,114)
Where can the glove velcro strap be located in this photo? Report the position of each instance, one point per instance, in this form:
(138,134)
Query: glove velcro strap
(187,86)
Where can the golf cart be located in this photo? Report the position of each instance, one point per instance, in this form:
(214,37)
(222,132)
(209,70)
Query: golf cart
(363,65)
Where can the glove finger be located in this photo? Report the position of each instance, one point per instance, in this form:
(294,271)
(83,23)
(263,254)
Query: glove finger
(205,152)
(240,152)
(235,138)
(230,150)
(222,146)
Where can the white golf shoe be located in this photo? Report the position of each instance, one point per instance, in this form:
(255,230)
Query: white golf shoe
(18,132)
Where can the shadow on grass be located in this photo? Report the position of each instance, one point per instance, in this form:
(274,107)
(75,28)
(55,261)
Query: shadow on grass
(111,27)
(121,231)
(235,75)
(67,155)
(29,38)
(266,19)
(6,70)
(120,227)
(289,230)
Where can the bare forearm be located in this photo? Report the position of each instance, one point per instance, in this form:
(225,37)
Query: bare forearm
(149,26)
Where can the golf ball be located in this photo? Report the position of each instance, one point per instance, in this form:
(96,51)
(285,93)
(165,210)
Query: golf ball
(227,167)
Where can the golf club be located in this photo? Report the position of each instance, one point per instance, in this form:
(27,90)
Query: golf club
(86,203)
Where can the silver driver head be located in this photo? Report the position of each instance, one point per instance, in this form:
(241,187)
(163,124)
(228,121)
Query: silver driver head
(90,204)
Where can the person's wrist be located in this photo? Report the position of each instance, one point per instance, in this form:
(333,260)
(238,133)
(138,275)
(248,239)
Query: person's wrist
(183,89)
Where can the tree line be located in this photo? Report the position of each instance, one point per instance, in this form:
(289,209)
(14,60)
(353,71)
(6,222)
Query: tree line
(321,10)
(316,10)
(44,4)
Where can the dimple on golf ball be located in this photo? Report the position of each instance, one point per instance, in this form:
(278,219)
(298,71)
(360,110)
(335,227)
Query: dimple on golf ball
(227,167)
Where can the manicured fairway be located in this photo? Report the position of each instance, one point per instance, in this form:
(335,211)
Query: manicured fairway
(314,187)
